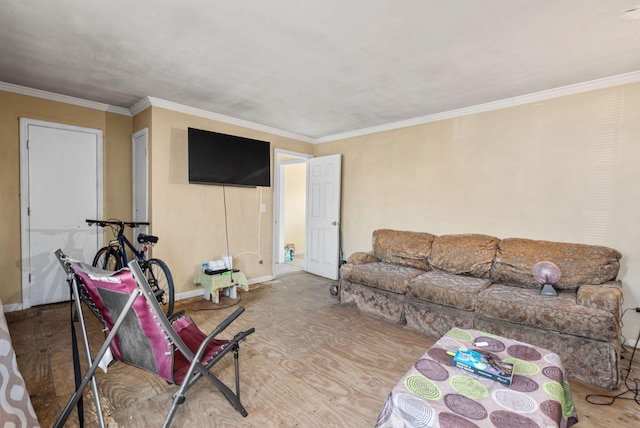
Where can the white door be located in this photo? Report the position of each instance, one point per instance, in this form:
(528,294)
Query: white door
(323,211)
(61,186)
(139,144)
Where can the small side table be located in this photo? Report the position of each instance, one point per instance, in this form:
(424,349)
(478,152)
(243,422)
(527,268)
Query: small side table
(227,281)
(433,391)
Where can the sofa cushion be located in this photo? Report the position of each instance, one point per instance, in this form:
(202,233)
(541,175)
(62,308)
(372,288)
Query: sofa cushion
(361,257)
(579,264)
(445,289)
(464,254)
(602,296)
(385,276)
(563,314)
(403,248)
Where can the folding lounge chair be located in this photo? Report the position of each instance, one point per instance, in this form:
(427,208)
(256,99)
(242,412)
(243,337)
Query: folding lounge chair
(138,333)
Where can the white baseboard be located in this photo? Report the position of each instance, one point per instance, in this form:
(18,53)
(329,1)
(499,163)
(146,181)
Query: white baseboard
(189,294)
(261,279)
(631,344)
(200,291)
(12,307)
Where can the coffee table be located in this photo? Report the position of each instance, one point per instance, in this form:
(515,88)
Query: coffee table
(434,393)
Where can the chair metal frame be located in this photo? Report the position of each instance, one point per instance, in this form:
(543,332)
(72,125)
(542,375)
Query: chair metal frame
(196,369)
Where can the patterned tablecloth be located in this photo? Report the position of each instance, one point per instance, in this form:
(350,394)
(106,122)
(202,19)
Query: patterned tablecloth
(216,282)
(434,393)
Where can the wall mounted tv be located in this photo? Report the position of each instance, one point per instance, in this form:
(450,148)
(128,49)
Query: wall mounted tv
(216,158)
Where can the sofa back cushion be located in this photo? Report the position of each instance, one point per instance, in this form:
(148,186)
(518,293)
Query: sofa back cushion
(464,254)
(403,248)
(579,264)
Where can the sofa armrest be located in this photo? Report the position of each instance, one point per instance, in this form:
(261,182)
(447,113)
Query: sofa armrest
(606,296)
(361,258)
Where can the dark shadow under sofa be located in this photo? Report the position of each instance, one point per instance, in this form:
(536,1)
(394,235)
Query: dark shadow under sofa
(432,283)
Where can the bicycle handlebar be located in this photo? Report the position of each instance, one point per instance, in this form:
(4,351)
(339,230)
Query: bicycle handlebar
(103,223)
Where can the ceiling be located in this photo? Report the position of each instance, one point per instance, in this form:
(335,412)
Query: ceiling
(315,68)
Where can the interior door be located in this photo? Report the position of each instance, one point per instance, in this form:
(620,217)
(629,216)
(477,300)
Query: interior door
(139,142)
(323,210)
(61,186)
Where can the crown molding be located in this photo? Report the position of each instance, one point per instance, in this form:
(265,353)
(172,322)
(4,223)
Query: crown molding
(140,106)
(576,88)
(181,108)
(147,102)
(65,99)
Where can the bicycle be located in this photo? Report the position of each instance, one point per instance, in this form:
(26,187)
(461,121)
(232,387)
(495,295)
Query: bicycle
(114,257)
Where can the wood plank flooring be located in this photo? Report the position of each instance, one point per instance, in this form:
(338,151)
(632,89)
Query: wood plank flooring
(311,363)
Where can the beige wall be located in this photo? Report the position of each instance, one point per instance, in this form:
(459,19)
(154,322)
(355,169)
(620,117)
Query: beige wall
(566,169)
(190,218)
(117,152)
(295,190)
(118,167)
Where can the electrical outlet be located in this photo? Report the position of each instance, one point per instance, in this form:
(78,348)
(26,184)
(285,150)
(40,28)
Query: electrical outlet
(263,208)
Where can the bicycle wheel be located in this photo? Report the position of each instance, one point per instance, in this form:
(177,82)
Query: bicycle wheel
(107,258)
(161,283)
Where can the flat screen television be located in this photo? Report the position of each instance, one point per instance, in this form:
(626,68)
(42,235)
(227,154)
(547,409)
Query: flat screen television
(216,158)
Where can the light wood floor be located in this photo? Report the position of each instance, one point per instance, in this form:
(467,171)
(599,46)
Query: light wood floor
(294,266)
(311,363)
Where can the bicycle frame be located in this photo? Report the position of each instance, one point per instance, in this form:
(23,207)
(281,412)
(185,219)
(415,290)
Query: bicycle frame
(122,241)
(158,274)
(125,243)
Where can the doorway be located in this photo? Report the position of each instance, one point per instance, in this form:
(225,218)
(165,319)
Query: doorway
(290,212)
(60,187)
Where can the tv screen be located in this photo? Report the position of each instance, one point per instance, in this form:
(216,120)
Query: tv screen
(216,158)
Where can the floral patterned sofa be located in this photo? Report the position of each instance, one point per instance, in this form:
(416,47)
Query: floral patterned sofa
(433,283)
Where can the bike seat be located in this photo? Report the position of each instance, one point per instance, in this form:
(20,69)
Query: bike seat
(147,239)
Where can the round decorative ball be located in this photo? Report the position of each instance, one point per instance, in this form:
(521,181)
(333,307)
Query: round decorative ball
(546,272)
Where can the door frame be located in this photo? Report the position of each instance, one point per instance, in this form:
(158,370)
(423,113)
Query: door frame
(278,202)
(24,192)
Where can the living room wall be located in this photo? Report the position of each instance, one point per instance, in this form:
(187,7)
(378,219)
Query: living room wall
(116,130)
(190,218)
(566,169)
